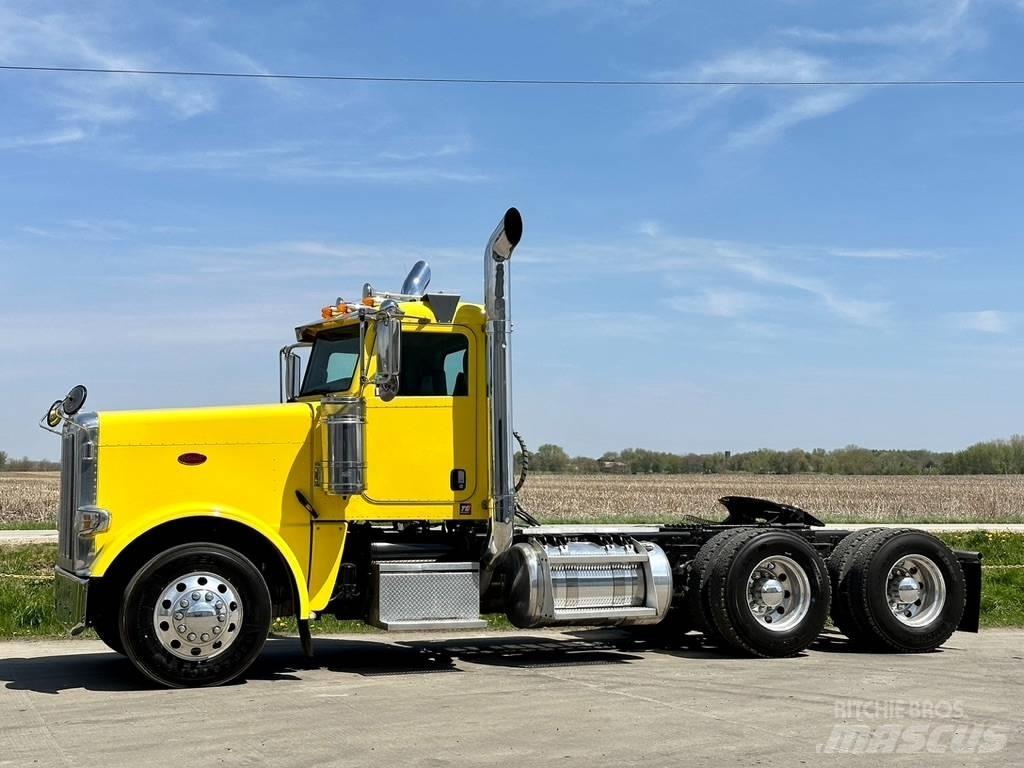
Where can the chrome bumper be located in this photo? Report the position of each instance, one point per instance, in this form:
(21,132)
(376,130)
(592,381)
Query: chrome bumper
(70,593)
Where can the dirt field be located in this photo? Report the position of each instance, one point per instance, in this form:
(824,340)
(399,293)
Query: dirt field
(639,498)
(31,497)
(28,497)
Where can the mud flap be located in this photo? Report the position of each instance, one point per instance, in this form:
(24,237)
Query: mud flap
(970,562)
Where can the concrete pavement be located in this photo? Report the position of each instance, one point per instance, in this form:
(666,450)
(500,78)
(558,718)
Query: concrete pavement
(28,537)
(588,698)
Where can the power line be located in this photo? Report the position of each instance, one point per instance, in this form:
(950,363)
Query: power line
(506,81)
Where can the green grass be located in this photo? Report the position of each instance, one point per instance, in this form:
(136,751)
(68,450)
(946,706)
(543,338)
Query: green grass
(26,605)
(1002,590)
(28,526)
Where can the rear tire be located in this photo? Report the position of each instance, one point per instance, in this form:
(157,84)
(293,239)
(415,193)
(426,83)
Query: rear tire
(768,593)
(838,570)
(905,592)
(195,615)
(696,584)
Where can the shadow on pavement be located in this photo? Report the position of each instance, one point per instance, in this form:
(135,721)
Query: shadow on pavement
(104,671)
(282,658)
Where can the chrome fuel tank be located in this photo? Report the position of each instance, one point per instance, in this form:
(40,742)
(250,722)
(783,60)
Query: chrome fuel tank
(586,582)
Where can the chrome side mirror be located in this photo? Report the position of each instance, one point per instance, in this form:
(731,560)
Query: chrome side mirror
(388,346)
(291,373)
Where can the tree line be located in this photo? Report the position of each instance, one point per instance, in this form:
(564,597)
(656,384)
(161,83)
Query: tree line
(994,457)
(25,464)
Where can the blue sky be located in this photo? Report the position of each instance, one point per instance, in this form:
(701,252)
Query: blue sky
(702,269)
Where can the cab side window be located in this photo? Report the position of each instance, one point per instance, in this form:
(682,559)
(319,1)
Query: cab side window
(434,365)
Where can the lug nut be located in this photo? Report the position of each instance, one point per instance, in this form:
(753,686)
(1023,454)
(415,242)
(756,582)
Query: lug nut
(208,597)
(195,595)
(191,636)
(182,628)
(183,603)
(178,615)
(221,617)
(216,630)
(204,637)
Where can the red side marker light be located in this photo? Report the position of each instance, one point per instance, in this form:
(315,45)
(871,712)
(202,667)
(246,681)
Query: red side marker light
(191,459)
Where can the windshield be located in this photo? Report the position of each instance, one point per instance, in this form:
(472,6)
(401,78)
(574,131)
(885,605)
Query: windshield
(332,362)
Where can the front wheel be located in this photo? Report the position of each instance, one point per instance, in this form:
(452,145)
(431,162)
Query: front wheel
(195,615)
(108,630)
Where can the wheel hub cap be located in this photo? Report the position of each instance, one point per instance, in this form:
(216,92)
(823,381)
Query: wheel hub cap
(916,590)
(772,593)
(197,616)
(908,590)
(778,593)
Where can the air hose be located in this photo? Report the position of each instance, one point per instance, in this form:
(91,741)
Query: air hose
(524,468)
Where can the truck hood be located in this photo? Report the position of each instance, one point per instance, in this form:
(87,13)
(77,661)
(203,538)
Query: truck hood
(285,424)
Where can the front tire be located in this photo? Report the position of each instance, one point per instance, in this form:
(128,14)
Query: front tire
(195,615)
(107,629)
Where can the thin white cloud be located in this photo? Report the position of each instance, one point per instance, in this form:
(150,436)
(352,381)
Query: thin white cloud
(85,41)
(984,321)
(718,303)
(905,49)
(302,162)
(941,20)
(681,261)
(82,229)
(884,254)
(807,106)
(50,139)
(855,310)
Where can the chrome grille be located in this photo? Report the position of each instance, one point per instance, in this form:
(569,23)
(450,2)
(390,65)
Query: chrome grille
(79,454)
(68,497)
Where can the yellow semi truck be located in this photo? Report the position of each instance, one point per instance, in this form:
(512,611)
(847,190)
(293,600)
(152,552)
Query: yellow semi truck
(383,488)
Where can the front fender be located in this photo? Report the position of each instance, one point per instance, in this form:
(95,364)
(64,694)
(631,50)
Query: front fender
(111,545)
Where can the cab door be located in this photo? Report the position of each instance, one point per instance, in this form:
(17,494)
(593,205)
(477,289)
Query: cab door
(421,445)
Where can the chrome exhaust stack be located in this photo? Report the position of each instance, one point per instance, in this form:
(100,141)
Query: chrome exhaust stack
(416,282)
(498,327)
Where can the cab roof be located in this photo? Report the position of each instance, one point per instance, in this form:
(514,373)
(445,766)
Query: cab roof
(442,308)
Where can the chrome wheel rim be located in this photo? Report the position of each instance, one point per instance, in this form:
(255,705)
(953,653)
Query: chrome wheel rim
(778,593)
(916,590)
(197,616)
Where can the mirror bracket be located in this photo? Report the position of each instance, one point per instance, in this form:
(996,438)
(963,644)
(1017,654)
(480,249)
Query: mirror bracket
(388,346)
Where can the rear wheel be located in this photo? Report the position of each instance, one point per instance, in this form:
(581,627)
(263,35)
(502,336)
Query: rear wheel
(196,615)
(697,608)
(838,570)
(905,592)
(768,593)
